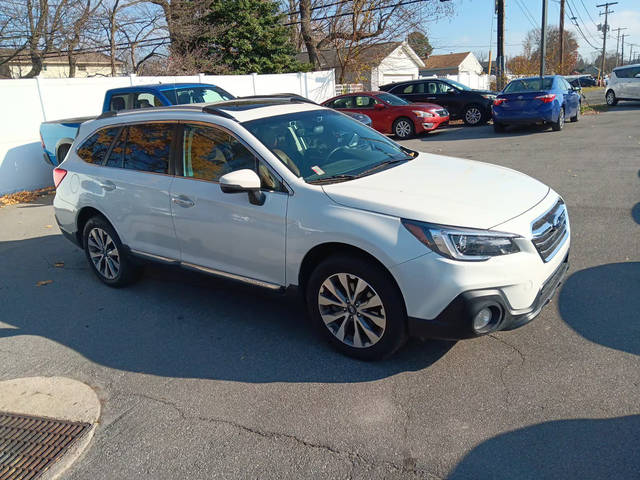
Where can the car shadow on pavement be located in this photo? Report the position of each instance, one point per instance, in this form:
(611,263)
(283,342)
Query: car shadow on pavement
(635,213)
(176,323)
(483,131)
(566,449)
(603,303)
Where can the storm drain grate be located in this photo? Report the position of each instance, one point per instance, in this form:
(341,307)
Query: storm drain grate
(29,445)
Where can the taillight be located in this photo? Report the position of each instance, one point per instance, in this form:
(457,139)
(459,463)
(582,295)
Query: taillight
(58,175)
(499,101)
(548,98)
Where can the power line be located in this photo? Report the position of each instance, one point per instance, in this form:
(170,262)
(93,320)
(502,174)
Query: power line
(586,10)
(525,11)
(574,20)
(584,24)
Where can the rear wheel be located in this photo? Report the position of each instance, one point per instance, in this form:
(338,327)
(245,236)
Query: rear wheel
(557,126)
(576,117)
(403,128)
(611,99)
(356,306)
(473,115)
(106,255)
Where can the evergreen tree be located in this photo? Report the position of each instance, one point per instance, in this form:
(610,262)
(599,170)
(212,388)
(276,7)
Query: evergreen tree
(248,36)
(420,44)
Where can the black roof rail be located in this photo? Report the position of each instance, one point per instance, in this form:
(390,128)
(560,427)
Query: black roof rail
(216,111)
(292,97)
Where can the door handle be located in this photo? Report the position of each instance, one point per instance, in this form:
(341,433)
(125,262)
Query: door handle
(107,185)
(183,201)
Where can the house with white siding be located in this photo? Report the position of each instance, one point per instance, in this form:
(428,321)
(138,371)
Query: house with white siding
(371,65)
(451,64)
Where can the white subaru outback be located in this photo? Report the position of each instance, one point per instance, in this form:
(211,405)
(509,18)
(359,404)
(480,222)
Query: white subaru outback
(382,241)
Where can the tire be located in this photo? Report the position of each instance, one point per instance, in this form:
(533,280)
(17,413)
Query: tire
(576,117)
(336,294)
(106,255)
(403,128)
(611,99)
(62,152)
(498,127)
(473,115)
(559,125)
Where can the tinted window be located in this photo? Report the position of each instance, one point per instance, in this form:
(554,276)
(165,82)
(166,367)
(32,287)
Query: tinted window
(362,101)
(528,85)
(343,102)
(115,157)
(180,96)
(413,88)
(148,147)
(146,100)
(208,153)
(95,148)
(623,73)
(120,102)
(392,99)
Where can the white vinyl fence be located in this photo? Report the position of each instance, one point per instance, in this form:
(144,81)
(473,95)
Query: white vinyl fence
(25,103)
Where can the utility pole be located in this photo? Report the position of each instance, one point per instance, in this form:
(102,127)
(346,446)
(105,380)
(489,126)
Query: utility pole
(543,40)
(618,44)
(490,43)
(622,55)
(500,55)
(604,33)
(561,36)
(631,51)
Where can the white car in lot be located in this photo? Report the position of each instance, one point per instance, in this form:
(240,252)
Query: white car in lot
(382,241)
(624,84)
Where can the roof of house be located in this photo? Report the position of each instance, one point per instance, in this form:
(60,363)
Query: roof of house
(450,60)
(367,55)
(84,58)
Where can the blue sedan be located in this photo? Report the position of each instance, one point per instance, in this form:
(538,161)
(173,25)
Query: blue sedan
(547,100)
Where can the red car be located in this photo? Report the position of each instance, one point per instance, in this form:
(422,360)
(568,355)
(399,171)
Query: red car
(391,114)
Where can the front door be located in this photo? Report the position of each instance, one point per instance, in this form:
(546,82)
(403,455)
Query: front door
(220,231)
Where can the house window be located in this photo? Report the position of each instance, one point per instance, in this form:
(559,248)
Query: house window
(82,68)
(44,66)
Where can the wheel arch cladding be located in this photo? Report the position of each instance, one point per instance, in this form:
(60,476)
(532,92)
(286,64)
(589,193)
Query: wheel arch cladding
(84,214)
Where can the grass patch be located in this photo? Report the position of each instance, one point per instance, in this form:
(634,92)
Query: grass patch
(592,89)
(594,109)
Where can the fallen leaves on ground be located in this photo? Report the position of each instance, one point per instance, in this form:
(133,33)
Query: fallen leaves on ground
(25,196)
(58,264)
(43,282)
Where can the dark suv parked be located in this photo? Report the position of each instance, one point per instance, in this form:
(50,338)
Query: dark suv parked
(473,106)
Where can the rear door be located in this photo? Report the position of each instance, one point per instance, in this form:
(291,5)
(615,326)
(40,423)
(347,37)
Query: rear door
(224,232)
(634,83)
(413,92)
(133,188)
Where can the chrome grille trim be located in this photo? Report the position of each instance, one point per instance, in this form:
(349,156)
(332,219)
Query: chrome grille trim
(550,231)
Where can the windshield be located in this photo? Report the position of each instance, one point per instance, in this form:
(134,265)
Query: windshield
(208,94)
(528,85)
(392,99)
(458,85)
(319,145)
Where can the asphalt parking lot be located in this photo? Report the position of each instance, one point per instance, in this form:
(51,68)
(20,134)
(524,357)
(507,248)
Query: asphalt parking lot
(202,378)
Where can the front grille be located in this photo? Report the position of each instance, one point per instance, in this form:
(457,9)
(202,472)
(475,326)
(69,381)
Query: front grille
(442,113)
(550,231)
(29,445)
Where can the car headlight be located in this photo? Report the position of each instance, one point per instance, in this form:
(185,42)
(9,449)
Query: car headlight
(421,114)
(462,243)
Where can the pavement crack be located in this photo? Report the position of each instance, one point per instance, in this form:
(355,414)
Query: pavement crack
(513,347)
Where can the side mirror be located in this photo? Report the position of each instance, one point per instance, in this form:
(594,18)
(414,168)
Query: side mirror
(637,75)
(576,89)
(379,106)
(243,181)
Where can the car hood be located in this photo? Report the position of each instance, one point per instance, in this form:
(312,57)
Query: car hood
(443,190)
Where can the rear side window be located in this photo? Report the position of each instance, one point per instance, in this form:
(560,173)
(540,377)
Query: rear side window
(94,149)
(120,102)
(148,147)
(343,102)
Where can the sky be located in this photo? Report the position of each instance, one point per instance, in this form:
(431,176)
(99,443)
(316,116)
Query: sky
(470,28)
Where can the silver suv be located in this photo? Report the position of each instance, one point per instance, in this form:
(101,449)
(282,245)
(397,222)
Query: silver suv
(624,84)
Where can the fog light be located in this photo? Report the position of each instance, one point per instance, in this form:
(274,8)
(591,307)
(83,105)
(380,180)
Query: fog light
(482,319)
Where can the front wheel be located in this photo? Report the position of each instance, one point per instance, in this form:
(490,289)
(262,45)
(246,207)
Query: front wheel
(473,115)
(106,255)
(357,307)
(611,99)
(403,128)
(559,125)
(576,117)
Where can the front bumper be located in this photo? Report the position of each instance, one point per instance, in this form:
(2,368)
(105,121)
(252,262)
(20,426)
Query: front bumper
(455,321)
(430,124)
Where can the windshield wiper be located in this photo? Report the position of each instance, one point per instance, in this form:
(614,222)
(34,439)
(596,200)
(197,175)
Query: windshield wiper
(332,178)
(382,164)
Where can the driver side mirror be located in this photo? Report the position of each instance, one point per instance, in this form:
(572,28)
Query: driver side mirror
(243,181)
(379,106)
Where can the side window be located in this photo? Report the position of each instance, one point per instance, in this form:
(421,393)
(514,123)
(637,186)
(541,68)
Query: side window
(362,101)
(432,88)
(148,147)
(95,148)
(208,153)
(146,100)
(120,102)
(444,87)
(633,72)
(344,102)
(117,152)
(407,89)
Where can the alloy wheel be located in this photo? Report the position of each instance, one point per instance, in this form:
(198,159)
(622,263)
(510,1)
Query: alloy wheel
(473,115)
(352,310)
(403,129)
(104,253)
(611,97)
